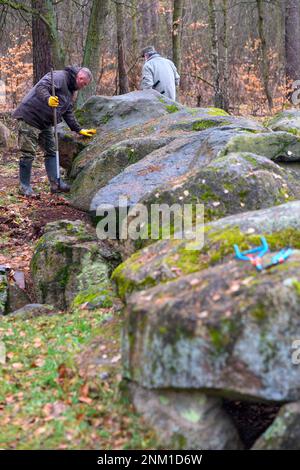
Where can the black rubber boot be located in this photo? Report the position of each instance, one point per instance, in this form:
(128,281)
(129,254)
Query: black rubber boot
(25,175)
(50,165)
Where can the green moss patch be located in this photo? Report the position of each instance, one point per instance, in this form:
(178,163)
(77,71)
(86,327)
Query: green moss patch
(172,108)
(217,112)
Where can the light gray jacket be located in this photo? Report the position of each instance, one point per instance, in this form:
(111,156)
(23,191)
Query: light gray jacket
(161,75)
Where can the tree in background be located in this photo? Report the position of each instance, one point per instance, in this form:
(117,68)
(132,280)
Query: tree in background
(237,53)
(46,47)
(92,49)
(292,39)
(123,85)
(264,52)
(177,32)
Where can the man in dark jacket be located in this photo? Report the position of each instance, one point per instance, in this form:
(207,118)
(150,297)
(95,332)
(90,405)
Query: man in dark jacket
(35,121)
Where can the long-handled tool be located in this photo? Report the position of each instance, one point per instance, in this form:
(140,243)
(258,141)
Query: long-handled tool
(55,134)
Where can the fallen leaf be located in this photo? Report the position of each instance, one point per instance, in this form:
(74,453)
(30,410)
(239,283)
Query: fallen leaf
(17,365)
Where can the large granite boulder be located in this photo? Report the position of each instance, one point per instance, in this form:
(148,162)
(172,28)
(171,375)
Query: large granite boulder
(4,136)
(222,155)
(278,146)
(172,124)
(167,260)
(110,163)
(29,311)
(12,296)
(185,419)
(161,168)
(226,330)
(139,115)
(287,121)
(70,268)
(231,184)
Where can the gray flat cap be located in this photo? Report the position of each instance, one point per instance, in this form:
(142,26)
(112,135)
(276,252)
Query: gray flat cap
(148,50)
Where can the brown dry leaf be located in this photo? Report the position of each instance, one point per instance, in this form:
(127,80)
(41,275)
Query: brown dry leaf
(203,314)
(58,408)
(10,398)
(17,365)
(47,409)
(62,371)
(234,288)
(37,342)
(86,400)
(84,390)
(39,362)
(216,297)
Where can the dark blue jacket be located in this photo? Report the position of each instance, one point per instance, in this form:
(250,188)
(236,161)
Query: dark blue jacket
(34,108)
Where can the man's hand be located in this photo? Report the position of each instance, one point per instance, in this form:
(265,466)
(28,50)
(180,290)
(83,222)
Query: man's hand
(53,101)
(88,132)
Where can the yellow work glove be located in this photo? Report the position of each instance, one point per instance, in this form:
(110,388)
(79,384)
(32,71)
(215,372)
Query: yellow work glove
(53,101)
(87,132)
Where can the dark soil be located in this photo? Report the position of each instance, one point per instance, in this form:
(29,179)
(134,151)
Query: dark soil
(251,419)
(22,220)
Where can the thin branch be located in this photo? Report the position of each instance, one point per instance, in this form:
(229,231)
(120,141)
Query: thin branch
(21,7)
(199,78)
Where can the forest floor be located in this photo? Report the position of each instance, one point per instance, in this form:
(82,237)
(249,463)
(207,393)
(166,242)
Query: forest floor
(53,391)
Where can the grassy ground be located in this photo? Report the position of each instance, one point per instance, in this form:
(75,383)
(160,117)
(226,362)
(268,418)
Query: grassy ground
(60,386)
(61,380)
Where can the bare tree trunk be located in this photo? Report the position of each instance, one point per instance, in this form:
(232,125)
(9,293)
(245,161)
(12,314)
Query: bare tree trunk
(177,32)
(94,39)
(225,58)
(145,8)
(123,78)
(135,53)
(264,53)
(41,45)
(135,42)
(154,17)
(47,50)
(292,39)
(215,63)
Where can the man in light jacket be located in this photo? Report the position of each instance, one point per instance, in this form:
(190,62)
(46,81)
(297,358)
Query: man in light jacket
(159,73)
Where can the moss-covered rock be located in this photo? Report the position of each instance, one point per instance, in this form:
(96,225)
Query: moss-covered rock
(203,331)
(69,267)
(287,121)
(205,165)
(167,260)
(29,311)
(237,182)
(3,293)
(110,163)
(278,146)
(284,432)
(17,297)
(186,419)
(139,115)
(162,168)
